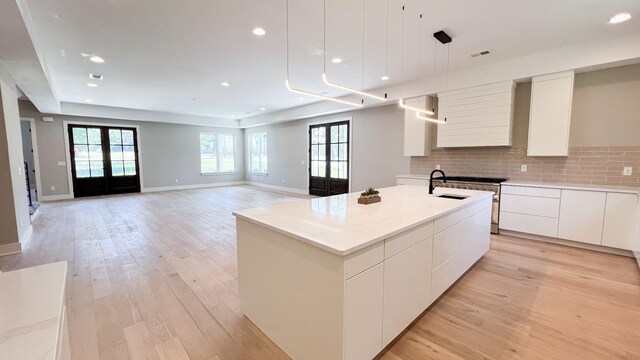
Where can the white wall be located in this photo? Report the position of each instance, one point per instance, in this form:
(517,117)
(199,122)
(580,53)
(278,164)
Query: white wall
(377,138)
(15,224)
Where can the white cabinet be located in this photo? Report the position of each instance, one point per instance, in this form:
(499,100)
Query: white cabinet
(363,314)
(407,288)
(477,116)
(530,210)
(581,216)
(401,180)
(550,114)
(621,212)
(417,132)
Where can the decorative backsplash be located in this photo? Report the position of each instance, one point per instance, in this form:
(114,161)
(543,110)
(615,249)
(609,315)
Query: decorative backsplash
(584,165)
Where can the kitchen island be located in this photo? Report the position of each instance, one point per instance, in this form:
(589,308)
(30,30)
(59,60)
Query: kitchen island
(328,278)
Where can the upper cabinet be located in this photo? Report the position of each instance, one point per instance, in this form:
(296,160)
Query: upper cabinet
(477,116)
(550,115)
(417,132)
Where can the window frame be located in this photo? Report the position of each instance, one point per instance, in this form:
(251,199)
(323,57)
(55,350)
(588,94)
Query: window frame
(219,154)
(261,136)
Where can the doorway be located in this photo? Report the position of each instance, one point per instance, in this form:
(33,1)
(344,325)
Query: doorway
(104,160)
(29,153)
(329,158)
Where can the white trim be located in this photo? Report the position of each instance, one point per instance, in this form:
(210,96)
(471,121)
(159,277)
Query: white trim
(36,158)
(329,121)
(12,248)
(188,187)
(26,235)
(45,198)
(569,243)
(65,133)
(34,215)
(278,188)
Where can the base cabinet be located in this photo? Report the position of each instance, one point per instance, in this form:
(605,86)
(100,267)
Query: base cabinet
(407,287)
(581,216)
(363,314)
(621,212)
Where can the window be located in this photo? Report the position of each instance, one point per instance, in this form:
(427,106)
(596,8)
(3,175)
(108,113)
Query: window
(217,153)
(258,144)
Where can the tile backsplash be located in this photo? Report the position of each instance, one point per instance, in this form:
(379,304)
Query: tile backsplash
(584,165)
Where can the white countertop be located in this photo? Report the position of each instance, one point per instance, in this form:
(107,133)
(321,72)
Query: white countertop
(588,187)
(31,302)
(340,225)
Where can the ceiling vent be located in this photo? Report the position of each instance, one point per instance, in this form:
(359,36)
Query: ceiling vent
(482,53)
(95,76)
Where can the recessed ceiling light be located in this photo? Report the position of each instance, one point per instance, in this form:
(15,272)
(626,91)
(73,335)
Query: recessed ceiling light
(233,116)
(96,59)
(300,98)
(259,31)
(336,60)
(224,83)
(92,85)
(88,100)
(619,18)
(384,78)
(96,76)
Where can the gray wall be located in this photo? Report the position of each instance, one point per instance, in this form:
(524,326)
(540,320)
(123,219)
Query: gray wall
(377,145)
(14,208)
(167,151)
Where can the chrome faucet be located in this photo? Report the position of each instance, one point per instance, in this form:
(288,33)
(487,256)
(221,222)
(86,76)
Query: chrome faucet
(444,178)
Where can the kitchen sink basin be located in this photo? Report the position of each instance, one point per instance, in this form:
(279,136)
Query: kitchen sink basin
(451,196)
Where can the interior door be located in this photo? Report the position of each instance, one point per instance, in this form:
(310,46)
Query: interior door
(104,160)
(329,159)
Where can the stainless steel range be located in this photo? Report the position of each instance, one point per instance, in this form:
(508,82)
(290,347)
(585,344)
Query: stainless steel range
(476,183)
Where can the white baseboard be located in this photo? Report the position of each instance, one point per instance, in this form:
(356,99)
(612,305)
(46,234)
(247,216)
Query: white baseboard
(35,214)
(26,235)
(45,198)
(187,187)
(575,244)
(278,188)
(8,249)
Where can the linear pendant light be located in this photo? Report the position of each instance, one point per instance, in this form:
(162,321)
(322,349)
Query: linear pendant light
(324,74)
(305,92)
(401,100)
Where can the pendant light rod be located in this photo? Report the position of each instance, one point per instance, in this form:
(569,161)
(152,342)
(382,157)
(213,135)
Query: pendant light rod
(305,92)
(401,100)
(324,74)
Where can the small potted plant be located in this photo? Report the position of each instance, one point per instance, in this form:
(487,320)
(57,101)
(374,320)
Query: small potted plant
(369,196)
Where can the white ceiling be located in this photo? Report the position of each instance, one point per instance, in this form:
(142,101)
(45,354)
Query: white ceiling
(171,56)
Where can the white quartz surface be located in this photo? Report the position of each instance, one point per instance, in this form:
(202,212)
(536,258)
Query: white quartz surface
(588,187)
(31,303)
(340,225)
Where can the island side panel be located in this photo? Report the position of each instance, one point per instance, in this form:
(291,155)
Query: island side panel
(292,291)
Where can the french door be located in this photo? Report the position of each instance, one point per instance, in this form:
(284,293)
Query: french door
(329,159)
(104,160)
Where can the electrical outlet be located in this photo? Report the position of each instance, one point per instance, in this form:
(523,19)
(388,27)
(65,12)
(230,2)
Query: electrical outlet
(19,170)
(437,166)
(62,163)
(523,168)
(53,188)
(627,171)
(177,180)
(302,162)
(283,181)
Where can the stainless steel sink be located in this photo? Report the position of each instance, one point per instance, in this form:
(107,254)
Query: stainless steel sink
(451,196)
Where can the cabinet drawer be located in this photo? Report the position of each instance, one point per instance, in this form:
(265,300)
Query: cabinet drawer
(407,239)
(361,260)
(411,181)
(531,191)
(455,217)
(529,205)
(529,224)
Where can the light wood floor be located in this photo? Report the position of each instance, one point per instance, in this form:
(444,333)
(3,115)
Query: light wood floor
(153,276)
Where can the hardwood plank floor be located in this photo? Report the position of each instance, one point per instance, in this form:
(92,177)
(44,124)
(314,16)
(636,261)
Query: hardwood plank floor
(153,276)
